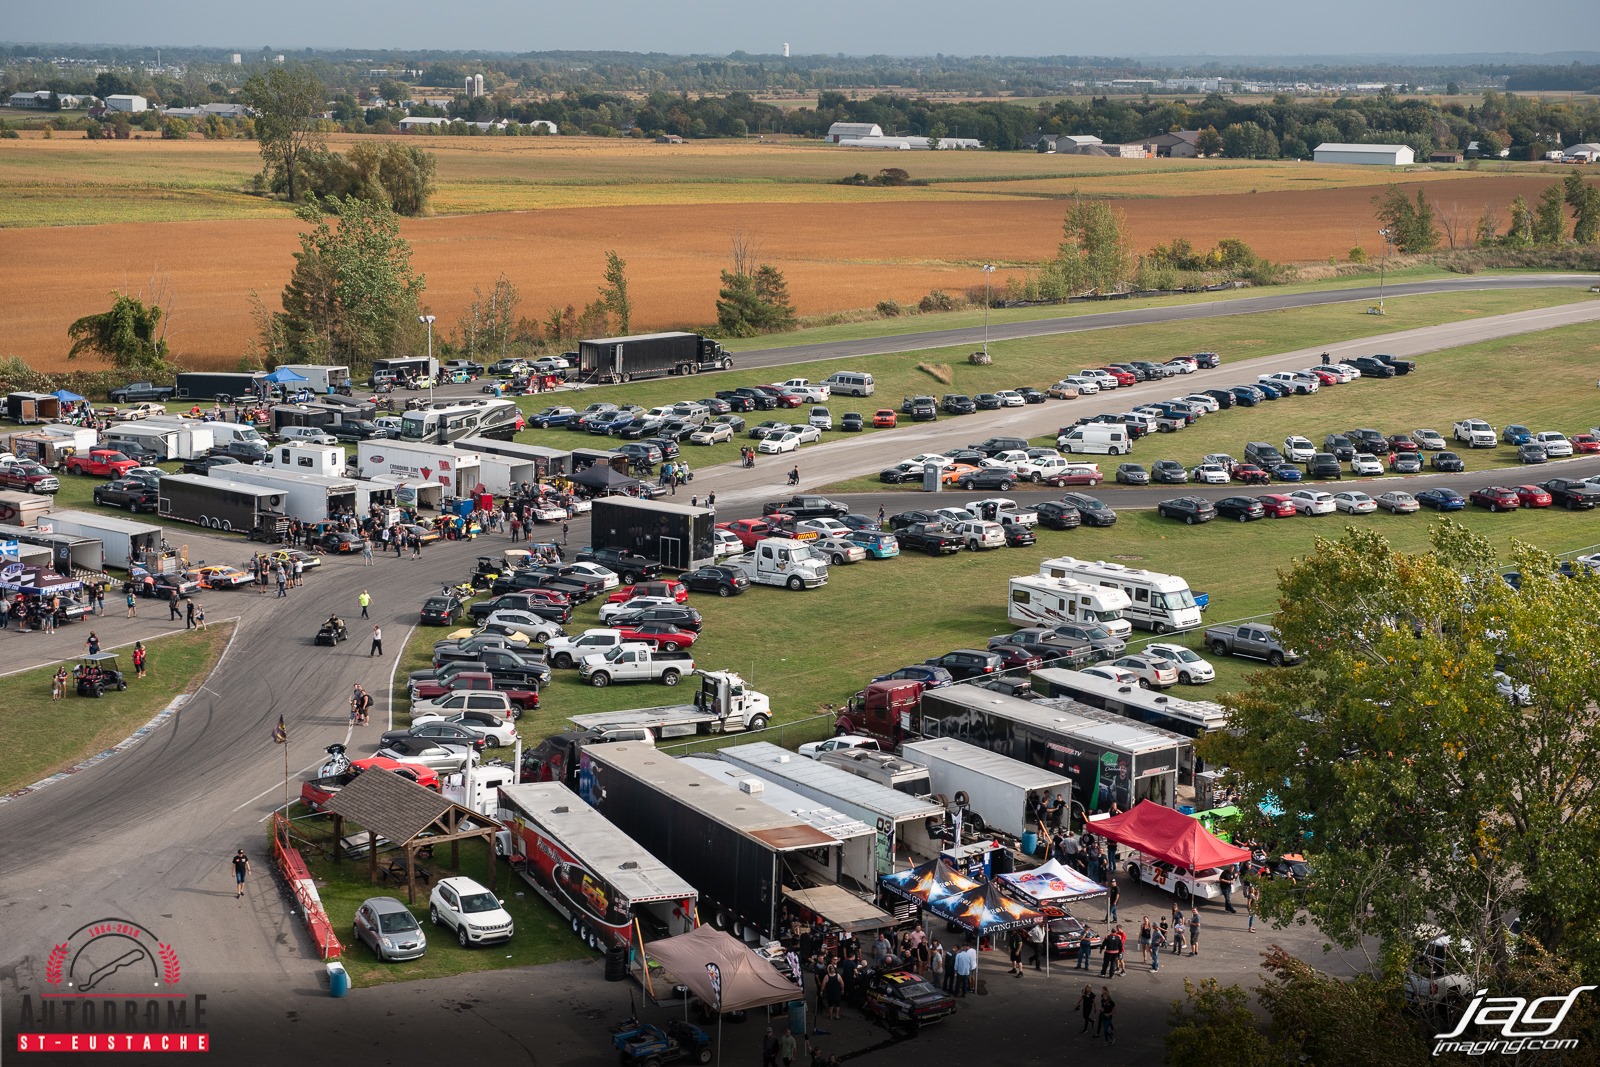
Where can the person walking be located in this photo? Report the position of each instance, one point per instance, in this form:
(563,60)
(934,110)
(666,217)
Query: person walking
(172,607)
(1085,955)
(832,991)
(1250,894)
(93,643)
(377,643)
(1036,939)
(139,658)
(1087,1002)
(366,553)
(365,600)
(133,601)
(241,867)
(1112,897)
(1144,938)
(1226,882)
(188,616)
(1177,935)
(299,573)
(769,1049)
(1194,932)
(881,514)
(1108,1009)
(1158,944)
(565,532)
(786,1048)
(1015,952)
(199,616)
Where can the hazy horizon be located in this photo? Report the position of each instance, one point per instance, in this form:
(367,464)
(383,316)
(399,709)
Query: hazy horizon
(1164,28)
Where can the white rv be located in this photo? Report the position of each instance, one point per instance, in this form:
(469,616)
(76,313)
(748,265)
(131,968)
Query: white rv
(1037,600)
(1156,601)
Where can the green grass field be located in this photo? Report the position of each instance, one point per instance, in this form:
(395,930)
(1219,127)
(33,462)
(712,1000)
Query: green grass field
(45,736)
(1041,361)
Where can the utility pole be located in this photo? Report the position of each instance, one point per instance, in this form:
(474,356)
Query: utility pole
(988,272)
(1383,263)
(432,374)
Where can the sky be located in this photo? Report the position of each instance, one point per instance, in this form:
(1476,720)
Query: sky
(905,27)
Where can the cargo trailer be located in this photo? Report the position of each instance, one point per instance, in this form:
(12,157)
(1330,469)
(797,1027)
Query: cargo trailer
(649,355)
(123,541)
(221,503)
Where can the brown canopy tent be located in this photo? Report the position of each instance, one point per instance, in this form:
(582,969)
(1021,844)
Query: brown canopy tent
(748,979)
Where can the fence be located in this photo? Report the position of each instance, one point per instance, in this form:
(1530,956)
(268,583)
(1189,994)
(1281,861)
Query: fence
(293,868)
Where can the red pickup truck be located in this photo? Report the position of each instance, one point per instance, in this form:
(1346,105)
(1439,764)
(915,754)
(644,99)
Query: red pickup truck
(524,697)
(316,793)
(102,463)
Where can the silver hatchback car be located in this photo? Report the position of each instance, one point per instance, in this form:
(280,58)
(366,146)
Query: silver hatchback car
(389,929)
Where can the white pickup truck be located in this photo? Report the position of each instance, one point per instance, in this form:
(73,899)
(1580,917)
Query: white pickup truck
(635,662)
(1475,433)
(1006,511)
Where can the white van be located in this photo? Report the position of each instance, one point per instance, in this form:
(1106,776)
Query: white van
(307,435)
(850,383)
(821,418)
(978,533)
(1096,437)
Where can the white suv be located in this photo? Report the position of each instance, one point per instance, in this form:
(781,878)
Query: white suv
(1297,449)
(474,913)
(977,534)
(1555,443)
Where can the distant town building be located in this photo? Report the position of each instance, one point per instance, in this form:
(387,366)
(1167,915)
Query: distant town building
(1179,144)
(1582,153)
(1444,157)
(1074,144)
(236,59)
(1375,155)
(907,144)
(201,111)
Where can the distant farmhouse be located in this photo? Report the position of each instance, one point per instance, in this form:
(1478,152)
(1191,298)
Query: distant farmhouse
(1375,155)
(40,99)
(870,135)
(203,111)
(1179,144)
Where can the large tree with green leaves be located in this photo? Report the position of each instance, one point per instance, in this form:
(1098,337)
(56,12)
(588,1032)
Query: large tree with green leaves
(1420,792)
(755,302)
(288,102)
(1094,252)
(1584,200)
(615,293)
(1549,217)
(129,336)
(1411,226)
(353,295)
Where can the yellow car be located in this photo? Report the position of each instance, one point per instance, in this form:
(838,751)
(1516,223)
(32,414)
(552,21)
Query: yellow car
(221,576)
(287,557)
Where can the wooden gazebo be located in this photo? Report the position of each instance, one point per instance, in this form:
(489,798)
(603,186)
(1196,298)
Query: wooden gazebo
(398,813)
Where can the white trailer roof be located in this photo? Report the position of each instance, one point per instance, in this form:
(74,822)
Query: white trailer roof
(96,521)
(227,483)
(646,718)
(1066,715)
(835,824)
(714,799)
(982,761)
(780,765)
(592,838)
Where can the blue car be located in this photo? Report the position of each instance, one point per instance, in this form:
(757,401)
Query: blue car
(1286,472)
(878,545)
(930,677)
(1245,396)
(1442,499)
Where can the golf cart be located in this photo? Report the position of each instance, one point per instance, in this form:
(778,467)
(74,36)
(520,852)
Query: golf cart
(487,570)
(645,1044)
(333,631)
(95,674)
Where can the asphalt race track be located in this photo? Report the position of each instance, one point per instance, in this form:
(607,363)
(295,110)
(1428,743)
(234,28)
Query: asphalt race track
(147,833)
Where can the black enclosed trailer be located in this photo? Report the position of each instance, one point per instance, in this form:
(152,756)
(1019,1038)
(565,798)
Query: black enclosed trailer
(681,537)
(649,355)
(220,504)
(222,387)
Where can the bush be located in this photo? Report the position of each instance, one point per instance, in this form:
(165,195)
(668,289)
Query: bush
(1358,254)
(890,309)
(938,300)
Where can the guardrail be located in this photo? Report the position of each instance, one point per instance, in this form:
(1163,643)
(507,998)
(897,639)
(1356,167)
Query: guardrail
(293,868)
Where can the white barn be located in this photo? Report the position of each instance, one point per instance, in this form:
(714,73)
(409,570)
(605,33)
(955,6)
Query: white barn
(128,103)
(1376,155)
(841,130)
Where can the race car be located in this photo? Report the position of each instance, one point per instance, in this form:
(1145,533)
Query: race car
(222,576)
(1179,881)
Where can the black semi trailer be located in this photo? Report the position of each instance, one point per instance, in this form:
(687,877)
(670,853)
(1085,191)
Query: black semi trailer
(222,387)
(682,538)
(729,845)
(649,355)
(219,504)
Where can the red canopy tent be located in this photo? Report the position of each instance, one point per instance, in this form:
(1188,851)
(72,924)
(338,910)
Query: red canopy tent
(1170,835)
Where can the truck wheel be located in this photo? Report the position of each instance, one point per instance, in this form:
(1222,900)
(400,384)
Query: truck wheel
(1036,477)
(563,660)
(759,722)
(433,914)
(1219,647)
(972,545)
(599,679)
(1158,627)
(624,378)
(1274,658)
(703,1056)
(461,935)
(669,677)
(629,578)
(796,582)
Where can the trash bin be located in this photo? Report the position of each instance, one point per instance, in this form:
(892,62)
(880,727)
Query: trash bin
(1030,843)
(338,980)
(616,963)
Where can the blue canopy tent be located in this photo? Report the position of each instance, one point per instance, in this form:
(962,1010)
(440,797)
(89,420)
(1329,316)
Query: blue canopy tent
(284,374)
(67,396)
(983,909)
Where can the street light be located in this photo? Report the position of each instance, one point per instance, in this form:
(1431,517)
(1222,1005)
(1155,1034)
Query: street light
(1382,263)
(428,321)
(988,269)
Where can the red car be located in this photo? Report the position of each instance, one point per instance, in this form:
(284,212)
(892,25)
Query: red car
(1277,506)
(748,531)
(1495,498)
(1014,657)
(885,419)
(659,634)
(1122,376)
(676,590)
(1077,474)
(1532,496)
(1249,474)
(1585,442)
(1326,377)
(101,462)
(1402,442)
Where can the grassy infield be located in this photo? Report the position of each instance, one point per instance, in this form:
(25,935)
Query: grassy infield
(873,616)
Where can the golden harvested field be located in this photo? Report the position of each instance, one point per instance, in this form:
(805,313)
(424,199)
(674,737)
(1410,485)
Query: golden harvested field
(80,219)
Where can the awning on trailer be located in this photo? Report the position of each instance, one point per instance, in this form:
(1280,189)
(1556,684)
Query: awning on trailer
(840,907)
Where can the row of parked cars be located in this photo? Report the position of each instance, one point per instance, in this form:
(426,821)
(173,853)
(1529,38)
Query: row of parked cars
(1572,493)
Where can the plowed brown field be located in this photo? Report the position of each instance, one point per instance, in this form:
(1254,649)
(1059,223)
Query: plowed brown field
(835,256)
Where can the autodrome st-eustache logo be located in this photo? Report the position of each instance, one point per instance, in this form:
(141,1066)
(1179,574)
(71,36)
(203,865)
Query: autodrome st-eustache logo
(112,986)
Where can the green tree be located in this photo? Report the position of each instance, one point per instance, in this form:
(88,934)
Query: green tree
(1209,143)
(353,295)
(398,175)
(1490,144)
(130,336)
(752,303)
(1335,1022)
(1425,796)
(288,102)
(1214,1024)
(1584,200)
(1549,218)
(936,134)
(1520,233)
(1094,256)
(1411,225)
(615,293)
(489,321)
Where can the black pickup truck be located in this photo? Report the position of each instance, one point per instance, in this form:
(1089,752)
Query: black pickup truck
(806,507)
(930,538)
(629,566)
(127,394)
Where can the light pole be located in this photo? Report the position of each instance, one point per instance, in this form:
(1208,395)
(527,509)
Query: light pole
(427,320)
(988,270)
(1383,262)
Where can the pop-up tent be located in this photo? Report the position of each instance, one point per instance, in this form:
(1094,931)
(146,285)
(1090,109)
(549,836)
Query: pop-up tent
(284,374)
(923,885)
(743,979)
(983,909)
(601,476)
(67,396)
(1170,835)
(1051,883)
